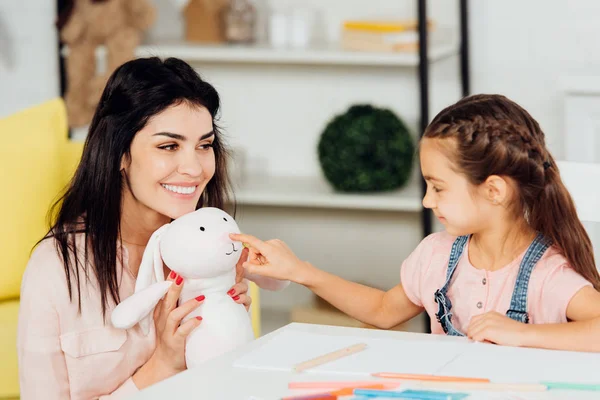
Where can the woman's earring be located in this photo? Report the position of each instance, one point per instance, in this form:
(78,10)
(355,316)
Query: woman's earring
(495,201)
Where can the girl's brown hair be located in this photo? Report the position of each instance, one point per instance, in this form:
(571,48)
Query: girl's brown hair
(495,136)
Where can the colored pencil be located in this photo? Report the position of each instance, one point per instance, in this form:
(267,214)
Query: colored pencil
(409,394)
(341,384)
(436,378)
(515,387)
(346,391)
(572,386)
(318,396)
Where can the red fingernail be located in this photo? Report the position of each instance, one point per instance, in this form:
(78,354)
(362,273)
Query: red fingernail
(172,275)
(236,298)
(199,318)
(179,280)
(231,292)
(200,298)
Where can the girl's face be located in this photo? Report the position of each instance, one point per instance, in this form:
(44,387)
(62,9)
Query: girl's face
(172,160)
(459,205)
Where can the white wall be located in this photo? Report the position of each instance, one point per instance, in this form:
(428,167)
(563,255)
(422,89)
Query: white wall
(523,49)
(28,54)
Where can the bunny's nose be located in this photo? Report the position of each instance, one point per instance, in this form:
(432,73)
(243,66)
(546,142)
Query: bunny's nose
(225,238)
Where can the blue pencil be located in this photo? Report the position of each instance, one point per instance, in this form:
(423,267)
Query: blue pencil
(411,394)
(571,386)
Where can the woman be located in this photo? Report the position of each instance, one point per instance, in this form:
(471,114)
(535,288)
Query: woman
(153,153)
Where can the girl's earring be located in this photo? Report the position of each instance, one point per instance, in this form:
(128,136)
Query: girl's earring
(495,201)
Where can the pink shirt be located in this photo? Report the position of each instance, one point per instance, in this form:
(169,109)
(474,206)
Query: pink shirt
(66,354)
(476,291)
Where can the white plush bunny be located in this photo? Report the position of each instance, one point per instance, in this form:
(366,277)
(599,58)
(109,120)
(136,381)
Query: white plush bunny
(196,246)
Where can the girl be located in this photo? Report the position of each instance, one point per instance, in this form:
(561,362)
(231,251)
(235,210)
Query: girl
(514,263)
(153,153)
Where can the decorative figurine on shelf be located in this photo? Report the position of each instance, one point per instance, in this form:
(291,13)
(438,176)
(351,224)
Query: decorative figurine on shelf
(197,247)
(204,21)
(84,25)
(240,21)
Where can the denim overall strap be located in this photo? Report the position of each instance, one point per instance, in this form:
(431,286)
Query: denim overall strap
(518,303)
(444,313)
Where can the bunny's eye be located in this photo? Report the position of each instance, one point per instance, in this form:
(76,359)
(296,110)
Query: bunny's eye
(202,229)
(224,219)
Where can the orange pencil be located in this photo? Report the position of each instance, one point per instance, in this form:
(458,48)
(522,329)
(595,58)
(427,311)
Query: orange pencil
(436,378)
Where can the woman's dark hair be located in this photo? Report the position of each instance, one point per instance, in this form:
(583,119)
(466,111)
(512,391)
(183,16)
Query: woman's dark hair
(496,136)
(91,205)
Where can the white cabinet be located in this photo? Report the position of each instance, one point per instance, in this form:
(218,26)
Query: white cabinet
(582,132)
(582,119)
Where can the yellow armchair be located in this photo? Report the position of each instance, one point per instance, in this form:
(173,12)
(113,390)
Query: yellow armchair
(36,162)
(32,170)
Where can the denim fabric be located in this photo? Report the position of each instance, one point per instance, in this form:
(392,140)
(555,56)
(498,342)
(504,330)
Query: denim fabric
(518,304)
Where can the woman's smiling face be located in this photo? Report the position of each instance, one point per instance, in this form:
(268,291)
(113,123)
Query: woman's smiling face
(171,160)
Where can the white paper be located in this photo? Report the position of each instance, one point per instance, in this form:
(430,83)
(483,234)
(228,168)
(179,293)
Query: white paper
(289,348)
(524,365)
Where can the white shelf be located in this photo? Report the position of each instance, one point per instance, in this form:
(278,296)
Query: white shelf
(317,193)
(263,54)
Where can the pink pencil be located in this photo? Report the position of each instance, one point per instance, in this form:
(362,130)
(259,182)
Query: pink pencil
(340,384)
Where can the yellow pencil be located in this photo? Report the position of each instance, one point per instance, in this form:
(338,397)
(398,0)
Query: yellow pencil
(435,378)
(330,357)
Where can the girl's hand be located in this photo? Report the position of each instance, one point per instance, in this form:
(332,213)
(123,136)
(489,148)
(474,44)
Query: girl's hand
(273,259)
(239,291)
(168,358)
(497,328)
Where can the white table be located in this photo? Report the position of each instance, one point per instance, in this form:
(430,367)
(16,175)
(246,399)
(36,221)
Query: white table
(218,379)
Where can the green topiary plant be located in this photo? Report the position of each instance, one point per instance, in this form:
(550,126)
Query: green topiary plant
(366,149)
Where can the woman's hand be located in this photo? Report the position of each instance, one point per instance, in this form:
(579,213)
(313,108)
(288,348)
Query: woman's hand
(239,291)
(274,259)
(168,358)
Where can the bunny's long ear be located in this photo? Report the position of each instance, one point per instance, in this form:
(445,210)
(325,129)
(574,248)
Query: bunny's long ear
(138,307)
(151,272)
(150,287)
(151,267)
